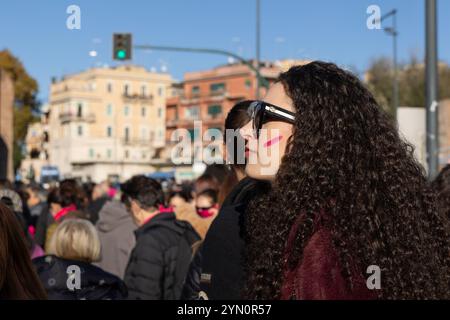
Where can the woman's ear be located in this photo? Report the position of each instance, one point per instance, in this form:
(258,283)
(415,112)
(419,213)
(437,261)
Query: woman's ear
(134,206)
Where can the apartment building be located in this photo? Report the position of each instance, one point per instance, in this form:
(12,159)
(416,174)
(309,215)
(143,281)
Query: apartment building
(107,123)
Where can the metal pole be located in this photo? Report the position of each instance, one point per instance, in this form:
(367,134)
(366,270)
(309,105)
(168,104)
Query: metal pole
(261,79)
(258,44)
(431,88)
(393,32)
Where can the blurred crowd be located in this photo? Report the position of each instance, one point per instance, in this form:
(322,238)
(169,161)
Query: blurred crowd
(347,193)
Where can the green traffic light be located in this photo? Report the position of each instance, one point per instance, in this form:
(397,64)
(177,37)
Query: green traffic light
(121,54)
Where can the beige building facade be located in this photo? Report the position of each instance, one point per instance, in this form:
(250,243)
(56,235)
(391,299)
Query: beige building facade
(107,123)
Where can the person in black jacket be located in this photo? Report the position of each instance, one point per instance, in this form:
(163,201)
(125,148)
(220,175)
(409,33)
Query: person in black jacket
(159,262)
(216,271)
(67,273)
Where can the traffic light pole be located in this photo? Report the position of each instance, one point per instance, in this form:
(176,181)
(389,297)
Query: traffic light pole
(261,80)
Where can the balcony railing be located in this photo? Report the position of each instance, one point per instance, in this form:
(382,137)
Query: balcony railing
(172,123)
(68,117)
(137,97)
(212,96)
(137,142)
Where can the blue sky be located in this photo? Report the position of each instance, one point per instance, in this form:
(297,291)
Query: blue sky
(333,30)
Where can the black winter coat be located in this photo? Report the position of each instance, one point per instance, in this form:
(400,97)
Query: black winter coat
(160,260)
(95,284)
(217,268)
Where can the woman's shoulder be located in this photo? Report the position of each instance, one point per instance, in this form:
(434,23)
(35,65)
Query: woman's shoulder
(319,274)
(95,283)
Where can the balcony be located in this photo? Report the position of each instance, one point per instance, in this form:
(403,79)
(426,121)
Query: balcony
(148,98)
(71,117)
(172,123)
(213,96)
(137,142)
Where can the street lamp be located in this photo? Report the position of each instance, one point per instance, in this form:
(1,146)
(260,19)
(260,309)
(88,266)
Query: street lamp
(392,31)
(431,71)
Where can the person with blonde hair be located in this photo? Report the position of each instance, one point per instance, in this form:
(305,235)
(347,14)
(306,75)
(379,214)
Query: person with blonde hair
(67,273)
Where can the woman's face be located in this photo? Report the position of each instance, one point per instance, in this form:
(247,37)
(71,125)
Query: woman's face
(205,207)
(55,208)
(265,153)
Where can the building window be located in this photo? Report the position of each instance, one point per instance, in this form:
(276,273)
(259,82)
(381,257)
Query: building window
(160,91)
(109,132)
(248,84)
(127,154)
(109,110)
(109,87)
(192,112)
(195,90)
(217,87)
(127,134)
(79,110)
(144,90)
(126,90)
(143,133)
(159,112)
(126,110)
(144,155)
(91,153)
(214,110)
(80,131)
(109,153)
(143,111)
(34,154)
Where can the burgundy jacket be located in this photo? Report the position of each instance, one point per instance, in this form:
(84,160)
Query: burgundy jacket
(318,274)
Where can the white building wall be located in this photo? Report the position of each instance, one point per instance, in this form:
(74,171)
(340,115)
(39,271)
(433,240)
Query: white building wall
(411,122)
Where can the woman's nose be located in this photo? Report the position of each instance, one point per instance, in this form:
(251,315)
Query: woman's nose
(247,131)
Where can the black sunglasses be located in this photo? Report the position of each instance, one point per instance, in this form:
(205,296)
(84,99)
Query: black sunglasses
(262,112)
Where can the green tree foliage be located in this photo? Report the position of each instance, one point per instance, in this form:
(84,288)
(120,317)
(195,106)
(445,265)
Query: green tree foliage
(411,77)
(25,100)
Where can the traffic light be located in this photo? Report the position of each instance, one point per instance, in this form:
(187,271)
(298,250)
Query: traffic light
(122,46)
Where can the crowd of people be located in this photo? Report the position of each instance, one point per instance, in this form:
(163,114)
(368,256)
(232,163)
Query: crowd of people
(342,192)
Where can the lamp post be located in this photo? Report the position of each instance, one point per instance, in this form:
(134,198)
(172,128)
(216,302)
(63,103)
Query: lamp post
(393,32)
(431,87)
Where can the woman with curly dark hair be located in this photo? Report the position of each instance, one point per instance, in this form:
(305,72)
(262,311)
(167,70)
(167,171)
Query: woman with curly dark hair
(441,184)
(346,194)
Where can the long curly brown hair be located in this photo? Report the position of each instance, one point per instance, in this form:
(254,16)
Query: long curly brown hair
(346,158)
(441,184)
